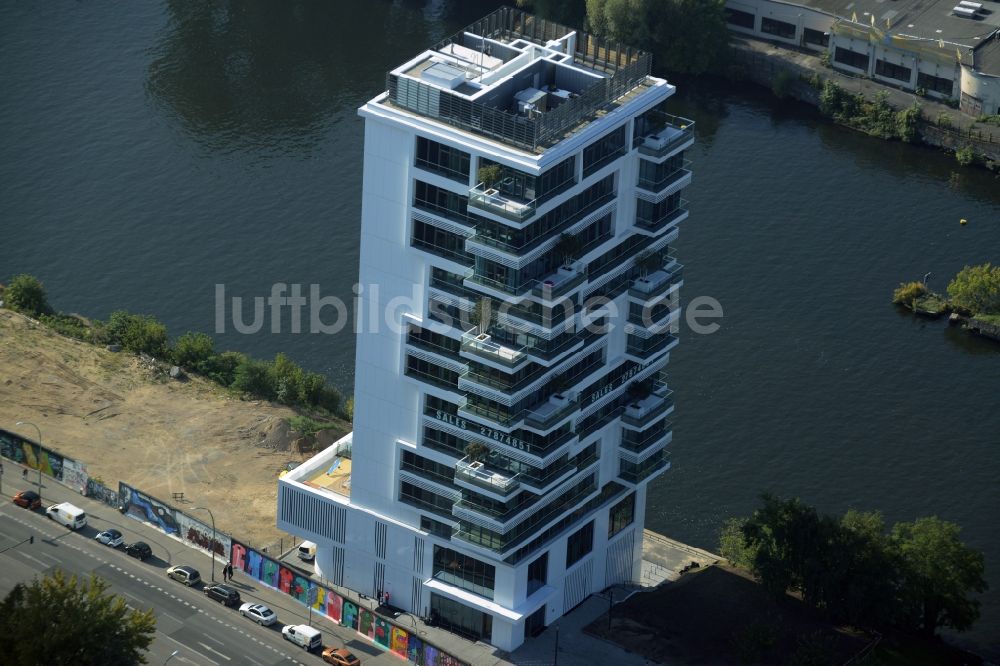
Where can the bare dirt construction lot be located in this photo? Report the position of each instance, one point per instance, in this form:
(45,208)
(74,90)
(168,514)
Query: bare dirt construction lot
(131,423)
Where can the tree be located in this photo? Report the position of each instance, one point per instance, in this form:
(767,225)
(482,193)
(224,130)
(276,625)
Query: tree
(907,292)
(26,295)
(490,175)
(733,546)
(64,620)
(684,36)
(939,572)
(482,314)
(568,247)
(476,451)
(251,376)
(193,351)
(977,289)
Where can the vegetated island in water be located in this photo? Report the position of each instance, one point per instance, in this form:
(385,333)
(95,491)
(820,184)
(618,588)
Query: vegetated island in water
(973,300)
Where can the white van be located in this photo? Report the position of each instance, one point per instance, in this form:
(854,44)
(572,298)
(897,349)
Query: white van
(303,635)
(71,516)
(307,551)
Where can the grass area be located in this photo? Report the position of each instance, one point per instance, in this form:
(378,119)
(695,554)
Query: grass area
(930,304)
(993,319)
(310,426)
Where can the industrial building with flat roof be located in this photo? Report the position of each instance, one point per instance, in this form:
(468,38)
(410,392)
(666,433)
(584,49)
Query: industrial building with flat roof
(948,49)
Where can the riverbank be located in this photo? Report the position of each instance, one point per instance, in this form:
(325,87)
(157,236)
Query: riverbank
(795,74)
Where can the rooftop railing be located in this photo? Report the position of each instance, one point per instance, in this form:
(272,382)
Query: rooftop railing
(665,133)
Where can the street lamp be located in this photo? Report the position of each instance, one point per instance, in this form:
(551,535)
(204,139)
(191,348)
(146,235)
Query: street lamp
(211,546)
(38,460)
(172,655)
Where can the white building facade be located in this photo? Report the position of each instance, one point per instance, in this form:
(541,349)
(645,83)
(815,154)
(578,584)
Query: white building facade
(522,194)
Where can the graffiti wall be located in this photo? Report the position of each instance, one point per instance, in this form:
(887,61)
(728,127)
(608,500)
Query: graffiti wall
(102,493)
(75,475)
(29,454)
(141,506)
(376,628)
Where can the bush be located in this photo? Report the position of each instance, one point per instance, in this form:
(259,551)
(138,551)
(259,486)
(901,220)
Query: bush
(221,368)
(25,294)
(136,333)
(252,378)
(908,123)
(943,120)
(989,120)
(965,156)
(907,292)
(977,289)
(348,412)
(68,325)
(308,426)
(193,351)
(733,545)
(781,84)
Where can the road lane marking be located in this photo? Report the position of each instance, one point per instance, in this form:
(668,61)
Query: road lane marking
(210,649)
(33,559)
(214,640)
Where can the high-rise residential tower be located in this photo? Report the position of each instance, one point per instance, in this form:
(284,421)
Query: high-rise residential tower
(522,188)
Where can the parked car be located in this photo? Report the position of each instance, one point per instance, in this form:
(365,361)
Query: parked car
(184,574)
(307,551)
(28,499)
(139,549)
(259,613)
(340,657)
(223,594)
(303,635)
(111,538)
(68,515)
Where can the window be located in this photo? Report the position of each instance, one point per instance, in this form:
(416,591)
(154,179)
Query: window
(738,18)
(440,242)
(816,37)
(937,84)
(435,527)
(526,187)
(538,574)
(777,28)
(427,468)
(892,71)
(579,544)
(621,515)
(464,571)
(603,151)
(851,58)
(445,160)
(461,619)
(445,203)
(431,373)
(411,494)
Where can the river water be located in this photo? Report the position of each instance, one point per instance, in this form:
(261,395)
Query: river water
(150,154)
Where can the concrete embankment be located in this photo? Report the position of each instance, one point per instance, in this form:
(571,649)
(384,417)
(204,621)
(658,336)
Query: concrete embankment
(762,62)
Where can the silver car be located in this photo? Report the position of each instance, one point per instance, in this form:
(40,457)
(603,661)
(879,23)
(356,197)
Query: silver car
(259,613)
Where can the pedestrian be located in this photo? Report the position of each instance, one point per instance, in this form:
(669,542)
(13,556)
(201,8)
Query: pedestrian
(228,571)
(24,473)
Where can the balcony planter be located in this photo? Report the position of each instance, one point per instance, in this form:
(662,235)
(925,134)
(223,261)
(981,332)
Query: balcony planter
(476,466)
(560,400)
(483,337)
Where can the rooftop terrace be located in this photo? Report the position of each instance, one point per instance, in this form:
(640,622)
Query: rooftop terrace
(519,79)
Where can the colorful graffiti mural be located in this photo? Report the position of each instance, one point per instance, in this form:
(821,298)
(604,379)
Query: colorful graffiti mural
(148,510)
(75,475)
(376,628)
(27,453)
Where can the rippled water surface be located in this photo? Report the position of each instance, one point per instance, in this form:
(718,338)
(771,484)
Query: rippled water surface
(149,155)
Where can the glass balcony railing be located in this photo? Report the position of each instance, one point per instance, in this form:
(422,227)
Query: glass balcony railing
(483,475)
(637,441)
(640,413)
(657,185)
(656,283)
(560,282)
(491,199)
(482,344)
(661,220)
(639,472)
(666,133)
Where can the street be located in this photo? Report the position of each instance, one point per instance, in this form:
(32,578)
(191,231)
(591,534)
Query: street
(201,630)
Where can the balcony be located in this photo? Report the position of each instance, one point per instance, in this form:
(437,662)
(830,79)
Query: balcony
(661,222)
(659,186)
(640,413)
(635,473)
(491,200)
(668,133)
(551,412)
(656,283)
(638,442)
(560,282)
(482,345)
(479,474)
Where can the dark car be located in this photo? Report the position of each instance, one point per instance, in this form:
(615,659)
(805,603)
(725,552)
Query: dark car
(28,499)
(223,594)
(139,549)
